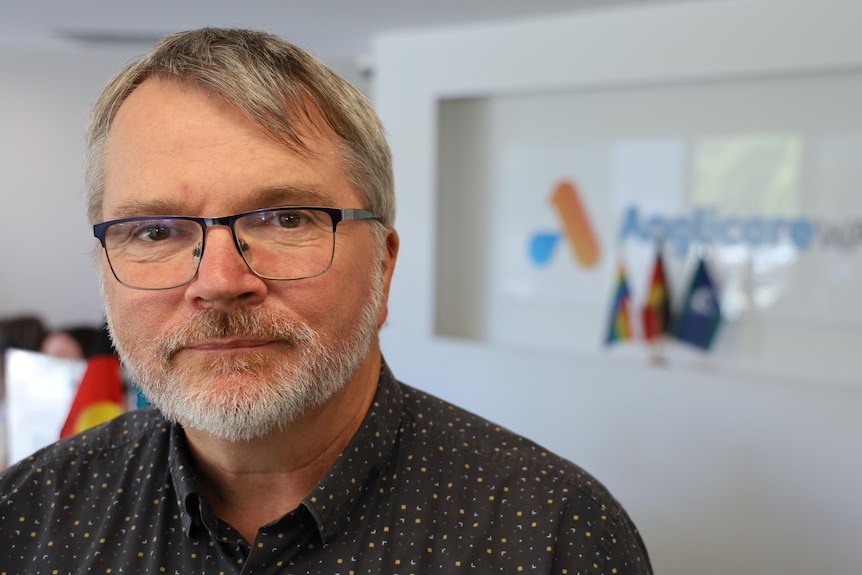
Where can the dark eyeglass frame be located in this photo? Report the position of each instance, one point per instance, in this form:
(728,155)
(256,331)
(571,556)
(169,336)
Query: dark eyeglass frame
(335,214)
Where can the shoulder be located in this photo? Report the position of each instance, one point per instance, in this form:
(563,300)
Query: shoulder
(465,435)
(516,486)
(524,490)
(102,449)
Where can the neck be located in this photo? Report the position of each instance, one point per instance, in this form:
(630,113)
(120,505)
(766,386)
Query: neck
(252,483)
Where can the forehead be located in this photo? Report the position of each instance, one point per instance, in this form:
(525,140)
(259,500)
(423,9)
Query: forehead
(180,146)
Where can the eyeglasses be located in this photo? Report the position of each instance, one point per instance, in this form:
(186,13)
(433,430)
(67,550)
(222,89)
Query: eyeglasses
(163,252)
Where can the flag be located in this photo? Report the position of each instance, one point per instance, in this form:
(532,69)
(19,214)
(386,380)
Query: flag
(656,309)
(619,326)
(701,314)
(100,395)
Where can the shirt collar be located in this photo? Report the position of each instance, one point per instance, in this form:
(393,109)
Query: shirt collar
(331,501)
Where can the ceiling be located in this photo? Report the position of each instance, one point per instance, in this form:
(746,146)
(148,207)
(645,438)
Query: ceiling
(339,31)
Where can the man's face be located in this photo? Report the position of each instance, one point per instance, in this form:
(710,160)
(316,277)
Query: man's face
(229,353)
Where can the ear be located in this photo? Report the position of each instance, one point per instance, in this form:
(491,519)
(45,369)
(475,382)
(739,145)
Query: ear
(390,255)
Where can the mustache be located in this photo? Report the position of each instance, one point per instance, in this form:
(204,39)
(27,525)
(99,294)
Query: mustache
(206,325)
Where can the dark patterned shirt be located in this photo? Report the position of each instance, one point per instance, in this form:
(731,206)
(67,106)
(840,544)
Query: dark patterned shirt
(423,487)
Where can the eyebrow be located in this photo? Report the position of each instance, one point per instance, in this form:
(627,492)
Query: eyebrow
(259,198)
(275,196)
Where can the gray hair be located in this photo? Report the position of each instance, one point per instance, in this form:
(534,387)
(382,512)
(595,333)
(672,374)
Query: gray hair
(275,84)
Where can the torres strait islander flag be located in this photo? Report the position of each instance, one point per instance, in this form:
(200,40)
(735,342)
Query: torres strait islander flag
(656,309)
(619,326)
(700,316)
(100,395)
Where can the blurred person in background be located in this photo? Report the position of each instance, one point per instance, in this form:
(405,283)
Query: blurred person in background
(77,342)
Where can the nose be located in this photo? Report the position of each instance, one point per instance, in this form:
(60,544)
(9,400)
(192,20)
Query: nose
(223,278)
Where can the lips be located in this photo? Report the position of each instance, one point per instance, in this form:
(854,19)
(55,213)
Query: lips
(228,344)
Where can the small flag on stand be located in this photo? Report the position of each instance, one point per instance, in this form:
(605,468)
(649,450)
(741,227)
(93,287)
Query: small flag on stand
(100,395)
(656,309)
(701,315)
(619,326)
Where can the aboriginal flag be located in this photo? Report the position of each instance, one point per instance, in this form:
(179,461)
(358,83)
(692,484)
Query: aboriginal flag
(100,395)
(656,309)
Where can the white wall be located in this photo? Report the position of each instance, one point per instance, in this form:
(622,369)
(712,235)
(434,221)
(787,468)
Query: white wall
(46,264)
(725,469)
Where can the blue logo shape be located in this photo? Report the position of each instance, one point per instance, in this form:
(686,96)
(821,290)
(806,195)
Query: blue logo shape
(542,245)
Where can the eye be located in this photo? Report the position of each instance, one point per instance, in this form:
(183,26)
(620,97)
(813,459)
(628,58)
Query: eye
(154,233)
(290,219)
(162,231)
(283,221)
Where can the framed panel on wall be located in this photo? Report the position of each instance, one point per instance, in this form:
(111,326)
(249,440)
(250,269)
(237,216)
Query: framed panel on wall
(758,176)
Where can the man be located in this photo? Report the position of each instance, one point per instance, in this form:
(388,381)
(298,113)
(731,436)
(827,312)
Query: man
(243,199)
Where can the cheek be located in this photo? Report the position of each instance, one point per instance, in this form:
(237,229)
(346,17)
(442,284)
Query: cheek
(318,302)
(136,318)
(331,304)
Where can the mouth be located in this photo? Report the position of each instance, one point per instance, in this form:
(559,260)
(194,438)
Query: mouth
(227,344)
(223,346)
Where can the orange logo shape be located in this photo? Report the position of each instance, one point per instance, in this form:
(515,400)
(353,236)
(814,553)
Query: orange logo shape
(576,224)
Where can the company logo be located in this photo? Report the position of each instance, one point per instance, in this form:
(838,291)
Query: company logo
(706,226)
(703,225)
(576,227)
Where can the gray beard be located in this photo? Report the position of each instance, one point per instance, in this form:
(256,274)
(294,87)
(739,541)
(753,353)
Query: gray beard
(257,394)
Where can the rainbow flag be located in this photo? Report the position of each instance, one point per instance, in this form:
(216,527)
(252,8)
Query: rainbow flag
(619,325)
